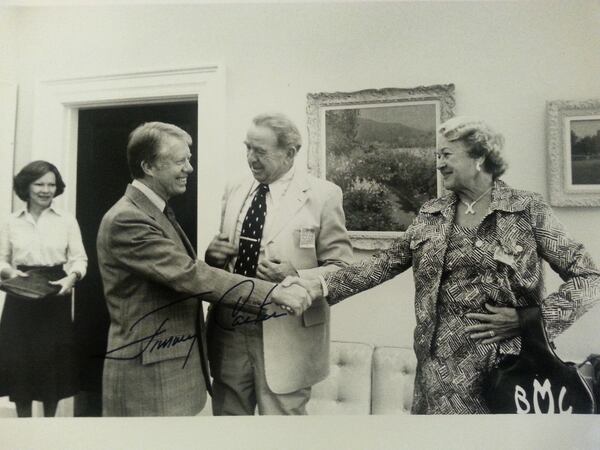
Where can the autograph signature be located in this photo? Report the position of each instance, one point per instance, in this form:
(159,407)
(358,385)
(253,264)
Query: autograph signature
(242,313)
(240,306)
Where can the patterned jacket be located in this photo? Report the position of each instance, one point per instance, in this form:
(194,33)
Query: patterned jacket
(526,233)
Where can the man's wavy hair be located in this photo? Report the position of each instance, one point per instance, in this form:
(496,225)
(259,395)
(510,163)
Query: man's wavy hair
(286,132)
(481,140)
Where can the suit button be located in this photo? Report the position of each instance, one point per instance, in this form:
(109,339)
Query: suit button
(478,243)
(518,249)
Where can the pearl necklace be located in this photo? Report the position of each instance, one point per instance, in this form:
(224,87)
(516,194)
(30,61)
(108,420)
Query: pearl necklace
(470,205)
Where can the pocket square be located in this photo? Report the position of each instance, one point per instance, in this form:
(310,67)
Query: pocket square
(505,258)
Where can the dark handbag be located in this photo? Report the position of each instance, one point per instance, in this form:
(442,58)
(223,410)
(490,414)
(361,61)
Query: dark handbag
(590,370)
(536,381)
(34,286)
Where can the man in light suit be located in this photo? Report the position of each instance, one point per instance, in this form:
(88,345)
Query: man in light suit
(156,360)
(273,364)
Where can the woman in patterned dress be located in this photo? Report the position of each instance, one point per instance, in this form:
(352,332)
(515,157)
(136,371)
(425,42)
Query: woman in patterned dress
(476,255)
(37,351)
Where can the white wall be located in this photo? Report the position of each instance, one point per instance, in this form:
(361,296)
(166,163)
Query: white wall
(8,105)
(506,60)
(8,43)
(8,110)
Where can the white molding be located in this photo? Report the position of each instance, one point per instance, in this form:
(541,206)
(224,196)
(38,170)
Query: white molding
(8,116)
(55,125)
(136,75)
(57,103)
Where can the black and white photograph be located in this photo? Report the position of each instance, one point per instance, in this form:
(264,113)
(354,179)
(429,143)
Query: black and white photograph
(379,218)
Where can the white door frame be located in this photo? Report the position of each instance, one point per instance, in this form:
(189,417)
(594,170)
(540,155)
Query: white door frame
(8,118)
(55,124)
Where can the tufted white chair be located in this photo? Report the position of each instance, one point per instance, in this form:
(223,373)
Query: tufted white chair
(347,389)
(393,380)
(365,380)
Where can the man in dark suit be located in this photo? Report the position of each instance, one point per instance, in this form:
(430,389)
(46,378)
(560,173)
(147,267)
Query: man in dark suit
(156,360)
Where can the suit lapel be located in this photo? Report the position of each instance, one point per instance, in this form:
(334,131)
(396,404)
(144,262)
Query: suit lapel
(144,203)
(290,203)
(510,223)
(235,203)
(438,218)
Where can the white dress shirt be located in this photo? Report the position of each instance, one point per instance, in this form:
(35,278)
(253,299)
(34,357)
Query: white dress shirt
(273,198)
(54,239)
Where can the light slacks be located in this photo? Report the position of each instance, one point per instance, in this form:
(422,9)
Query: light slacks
(238,369)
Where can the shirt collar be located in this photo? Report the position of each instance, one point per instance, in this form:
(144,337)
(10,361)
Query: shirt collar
(152,196)
(279,186)
(23,212)
(504,198)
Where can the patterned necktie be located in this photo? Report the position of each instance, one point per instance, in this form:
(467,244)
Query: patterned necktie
(168,211)
(251,235)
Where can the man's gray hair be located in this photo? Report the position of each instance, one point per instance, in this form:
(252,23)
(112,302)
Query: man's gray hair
(145,141)
(286,132)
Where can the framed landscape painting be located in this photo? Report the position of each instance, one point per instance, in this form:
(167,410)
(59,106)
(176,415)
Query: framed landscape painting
(379,147)
(574,152)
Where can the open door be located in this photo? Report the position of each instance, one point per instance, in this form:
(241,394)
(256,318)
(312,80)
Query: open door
(102,176)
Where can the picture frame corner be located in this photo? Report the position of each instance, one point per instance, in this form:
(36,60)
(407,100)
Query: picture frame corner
(570,178)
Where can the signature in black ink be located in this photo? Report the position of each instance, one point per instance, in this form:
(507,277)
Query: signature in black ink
(242,313)
(153,342)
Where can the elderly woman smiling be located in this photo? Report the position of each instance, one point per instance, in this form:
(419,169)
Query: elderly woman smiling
(476,255)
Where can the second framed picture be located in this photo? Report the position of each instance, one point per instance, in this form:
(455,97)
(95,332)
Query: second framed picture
(574,152)
(379,146)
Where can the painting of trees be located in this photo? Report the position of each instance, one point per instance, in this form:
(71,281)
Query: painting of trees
(384,163)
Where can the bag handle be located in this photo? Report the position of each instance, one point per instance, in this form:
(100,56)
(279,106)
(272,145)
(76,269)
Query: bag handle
(533,333)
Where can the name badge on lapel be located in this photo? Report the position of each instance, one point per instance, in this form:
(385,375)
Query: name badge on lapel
(307,238)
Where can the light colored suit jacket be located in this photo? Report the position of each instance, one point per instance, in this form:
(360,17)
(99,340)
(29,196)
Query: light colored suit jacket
(156,359)
(296,348)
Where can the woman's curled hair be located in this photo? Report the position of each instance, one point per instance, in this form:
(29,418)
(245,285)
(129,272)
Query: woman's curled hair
(33,171)
(481,140)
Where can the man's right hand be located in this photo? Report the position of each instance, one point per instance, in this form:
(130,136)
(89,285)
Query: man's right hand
(313,286)
(293,298)
(219,251)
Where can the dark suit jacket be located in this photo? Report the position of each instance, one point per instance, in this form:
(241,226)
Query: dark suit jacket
(156,358)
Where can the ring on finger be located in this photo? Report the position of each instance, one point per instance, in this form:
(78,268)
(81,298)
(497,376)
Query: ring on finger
(492,334)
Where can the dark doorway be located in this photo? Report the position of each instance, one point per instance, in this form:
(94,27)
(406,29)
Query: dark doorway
(102,176)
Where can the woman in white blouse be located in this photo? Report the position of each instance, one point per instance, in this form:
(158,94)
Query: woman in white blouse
(37,351)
